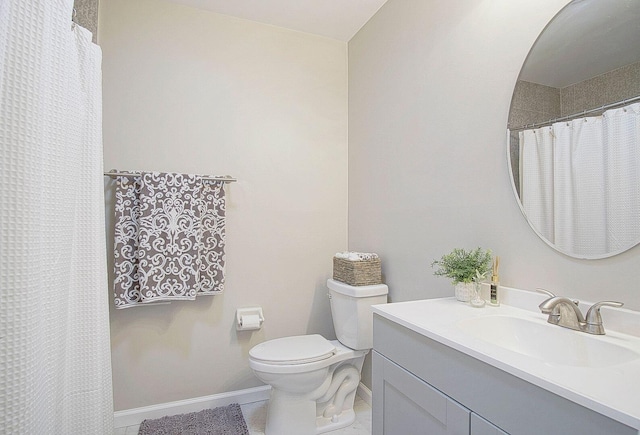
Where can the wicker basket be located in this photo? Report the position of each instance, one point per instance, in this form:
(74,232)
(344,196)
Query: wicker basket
(366,272)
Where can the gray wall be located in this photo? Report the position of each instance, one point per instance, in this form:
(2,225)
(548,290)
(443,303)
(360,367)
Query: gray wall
(611,87)
(87,15)
(192,91)
(534,103)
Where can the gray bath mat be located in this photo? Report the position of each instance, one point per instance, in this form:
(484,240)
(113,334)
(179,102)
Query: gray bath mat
(226,420)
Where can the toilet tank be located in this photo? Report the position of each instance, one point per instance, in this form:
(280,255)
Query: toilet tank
(352,314)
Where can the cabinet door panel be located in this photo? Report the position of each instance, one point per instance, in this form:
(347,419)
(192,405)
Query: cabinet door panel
(480,426)
(404,404)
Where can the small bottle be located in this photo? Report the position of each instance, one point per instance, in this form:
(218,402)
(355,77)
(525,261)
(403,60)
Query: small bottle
(495,283)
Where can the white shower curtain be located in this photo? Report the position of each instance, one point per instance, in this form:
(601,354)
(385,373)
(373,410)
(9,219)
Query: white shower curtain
(55,370)
(580,182)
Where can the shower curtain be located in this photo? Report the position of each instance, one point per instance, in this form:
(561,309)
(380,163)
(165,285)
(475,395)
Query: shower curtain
(580,182)
(55,369)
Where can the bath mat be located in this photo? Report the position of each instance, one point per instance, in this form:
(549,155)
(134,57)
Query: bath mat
(226,420)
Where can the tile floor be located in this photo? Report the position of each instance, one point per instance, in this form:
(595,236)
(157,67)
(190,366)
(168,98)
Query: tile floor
(255,413)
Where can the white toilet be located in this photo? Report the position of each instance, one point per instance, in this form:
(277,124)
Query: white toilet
(314,380)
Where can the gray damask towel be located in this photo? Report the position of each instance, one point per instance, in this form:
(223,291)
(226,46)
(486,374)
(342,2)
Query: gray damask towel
(169,238)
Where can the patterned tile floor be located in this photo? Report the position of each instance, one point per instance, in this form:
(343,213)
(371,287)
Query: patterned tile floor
(255,413)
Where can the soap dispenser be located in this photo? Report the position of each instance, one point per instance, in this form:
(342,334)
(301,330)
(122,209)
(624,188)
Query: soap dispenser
(495,283)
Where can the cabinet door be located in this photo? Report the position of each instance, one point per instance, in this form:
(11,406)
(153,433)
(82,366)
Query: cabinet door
(480,426)
(404,404)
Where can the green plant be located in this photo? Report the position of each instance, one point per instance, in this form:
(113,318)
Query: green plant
(463,266)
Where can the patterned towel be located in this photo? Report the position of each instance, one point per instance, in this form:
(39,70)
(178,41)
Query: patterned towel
(169,238)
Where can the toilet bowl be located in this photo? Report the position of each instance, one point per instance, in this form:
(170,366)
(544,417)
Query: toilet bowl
(314,380)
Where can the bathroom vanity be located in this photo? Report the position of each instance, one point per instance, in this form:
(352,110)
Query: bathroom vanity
(443,367)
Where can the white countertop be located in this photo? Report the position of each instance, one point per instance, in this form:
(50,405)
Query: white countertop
(613,391)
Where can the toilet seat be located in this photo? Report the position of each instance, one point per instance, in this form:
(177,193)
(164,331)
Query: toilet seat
(300,349)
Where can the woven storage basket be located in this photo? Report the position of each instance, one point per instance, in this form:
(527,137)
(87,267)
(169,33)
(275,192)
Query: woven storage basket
(366,272)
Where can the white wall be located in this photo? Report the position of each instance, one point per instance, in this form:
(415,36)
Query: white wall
(430,83)
(192,91)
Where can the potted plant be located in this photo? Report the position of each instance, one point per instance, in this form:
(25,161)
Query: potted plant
(464,268)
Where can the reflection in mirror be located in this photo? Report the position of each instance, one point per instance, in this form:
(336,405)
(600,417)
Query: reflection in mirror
(574,130)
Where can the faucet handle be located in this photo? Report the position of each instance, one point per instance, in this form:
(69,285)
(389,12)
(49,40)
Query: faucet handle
(551,295)
(594,319)
(593,315)
(546,292)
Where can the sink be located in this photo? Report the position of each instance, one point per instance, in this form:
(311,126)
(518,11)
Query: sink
(599,373)
(551,344)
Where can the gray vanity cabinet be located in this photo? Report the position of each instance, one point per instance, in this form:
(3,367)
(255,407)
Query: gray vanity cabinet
(421,386)
(480,426)
(404,404)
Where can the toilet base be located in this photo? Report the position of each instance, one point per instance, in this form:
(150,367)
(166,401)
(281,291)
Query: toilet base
(287,413)
(324,424)
(328,408)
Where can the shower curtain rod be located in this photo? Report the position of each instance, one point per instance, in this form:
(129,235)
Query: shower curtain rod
(575,115)
(225,178)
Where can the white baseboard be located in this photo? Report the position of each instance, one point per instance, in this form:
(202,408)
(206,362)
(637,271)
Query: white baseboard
(135,416)
(364,392)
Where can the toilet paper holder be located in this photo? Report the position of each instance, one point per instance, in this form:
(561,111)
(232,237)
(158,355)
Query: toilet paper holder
(249,319)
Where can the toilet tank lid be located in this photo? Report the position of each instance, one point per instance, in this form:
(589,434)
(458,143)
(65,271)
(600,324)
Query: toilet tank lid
(360,291)
(298,349)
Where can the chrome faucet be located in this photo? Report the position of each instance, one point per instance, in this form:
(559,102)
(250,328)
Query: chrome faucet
(594,319)
(565,312)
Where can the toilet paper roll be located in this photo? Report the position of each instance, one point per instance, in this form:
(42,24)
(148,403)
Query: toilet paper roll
(249,321)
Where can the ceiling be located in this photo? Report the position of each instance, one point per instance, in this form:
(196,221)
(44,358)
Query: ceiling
(336,19)
(586,39)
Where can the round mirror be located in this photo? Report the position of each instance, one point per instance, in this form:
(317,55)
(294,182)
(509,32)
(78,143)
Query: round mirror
(574,130)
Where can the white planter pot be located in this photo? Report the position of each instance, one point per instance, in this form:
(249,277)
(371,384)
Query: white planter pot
(464,291)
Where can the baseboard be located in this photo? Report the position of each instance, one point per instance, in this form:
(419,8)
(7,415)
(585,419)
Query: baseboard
(135,416)
(364,392)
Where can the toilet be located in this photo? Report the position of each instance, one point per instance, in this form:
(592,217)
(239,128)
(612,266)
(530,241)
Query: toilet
(314,380)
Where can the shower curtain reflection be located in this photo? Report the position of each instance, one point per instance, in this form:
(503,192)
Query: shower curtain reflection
(580,182)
